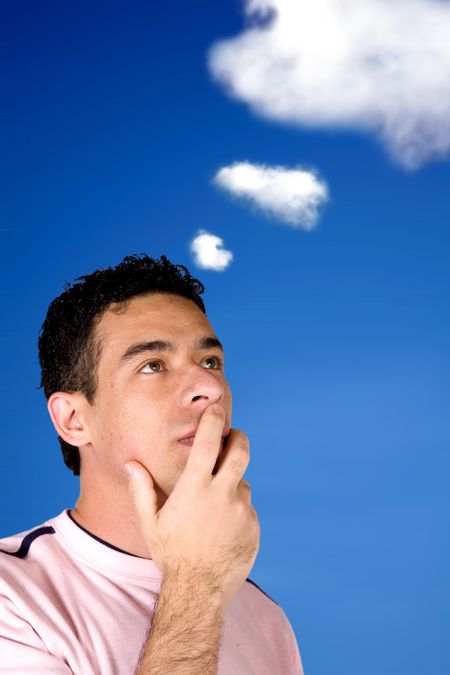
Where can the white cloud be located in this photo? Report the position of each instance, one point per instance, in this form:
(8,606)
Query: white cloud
(208,252)
(378,65)
(292,195)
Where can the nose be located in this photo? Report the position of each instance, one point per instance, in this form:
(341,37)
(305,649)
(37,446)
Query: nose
(202,389)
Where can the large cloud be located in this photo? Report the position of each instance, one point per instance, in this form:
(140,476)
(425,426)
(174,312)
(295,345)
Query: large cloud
(379,65)
(292,195)
(208,252)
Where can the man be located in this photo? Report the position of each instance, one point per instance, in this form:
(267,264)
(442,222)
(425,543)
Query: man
(146,574)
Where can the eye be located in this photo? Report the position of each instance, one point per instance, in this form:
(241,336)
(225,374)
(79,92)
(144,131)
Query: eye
(150,364)
(217,359)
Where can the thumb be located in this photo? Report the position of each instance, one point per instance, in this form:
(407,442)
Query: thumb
(142,491)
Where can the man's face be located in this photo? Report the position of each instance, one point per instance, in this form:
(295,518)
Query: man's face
(146,401)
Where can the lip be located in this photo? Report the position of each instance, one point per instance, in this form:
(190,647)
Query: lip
(191,435)
(188,442)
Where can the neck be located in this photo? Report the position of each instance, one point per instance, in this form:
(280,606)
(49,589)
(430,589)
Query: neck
(112,519)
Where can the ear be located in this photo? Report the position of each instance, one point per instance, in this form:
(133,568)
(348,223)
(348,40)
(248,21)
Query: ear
(67,414)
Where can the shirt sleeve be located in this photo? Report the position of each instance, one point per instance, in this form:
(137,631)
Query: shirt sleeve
(21,649)
(295,661)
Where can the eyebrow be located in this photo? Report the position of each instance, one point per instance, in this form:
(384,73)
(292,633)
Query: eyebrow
(134,350)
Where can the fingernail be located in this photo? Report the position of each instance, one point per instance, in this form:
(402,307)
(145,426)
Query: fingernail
(217,408)
(128,470)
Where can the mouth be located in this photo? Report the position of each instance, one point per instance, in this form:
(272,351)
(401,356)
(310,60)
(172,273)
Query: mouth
(189,439)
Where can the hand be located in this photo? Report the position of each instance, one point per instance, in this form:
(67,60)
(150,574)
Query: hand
(207,528)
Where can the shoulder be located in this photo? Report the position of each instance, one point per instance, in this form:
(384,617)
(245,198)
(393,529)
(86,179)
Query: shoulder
(18,545)
(26,558)
(250,581)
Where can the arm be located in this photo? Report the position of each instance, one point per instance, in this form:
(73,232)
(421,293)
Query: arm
(185,631)
(21,648)
(204,539)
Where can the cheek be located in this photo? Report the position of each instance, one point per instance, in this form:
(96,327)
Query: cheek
(116,423)
(228,397)
(136,427)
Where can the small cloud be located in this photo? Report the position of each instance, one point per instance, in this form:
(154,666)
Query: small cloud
(381,66)
(208,252)
(292,195)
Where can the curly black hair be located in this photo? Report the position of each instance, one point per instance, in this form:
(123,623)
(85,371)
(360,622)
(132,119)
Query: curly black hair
(68,350)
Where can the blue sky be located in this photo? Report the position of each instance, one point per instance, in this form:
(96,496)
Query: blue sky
(336,338)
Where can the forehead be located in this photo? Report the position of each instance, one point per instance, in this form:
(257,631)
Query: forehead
(157,314)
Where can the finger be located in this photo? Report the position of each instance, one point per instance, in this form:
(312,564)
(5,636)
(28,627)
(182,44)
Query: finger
(244,490)
(206,446)
(234,460)
(143,494)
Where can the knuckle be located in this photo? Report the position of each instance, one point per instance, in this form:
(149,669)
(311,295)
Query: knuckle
(242,509)
(242,450)
(236,467)
(243,439)
(239,462)
(239,438)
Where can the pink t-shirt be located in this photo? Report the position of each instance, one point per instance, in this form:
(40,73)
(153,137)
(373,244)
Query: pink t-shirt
(72,603)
